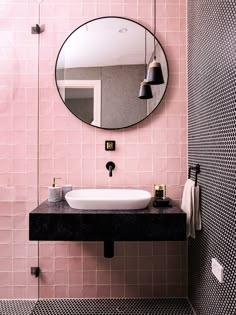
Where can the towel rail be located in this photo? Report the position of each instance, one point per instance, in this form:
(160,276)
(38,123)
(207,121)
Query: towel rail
(197,171)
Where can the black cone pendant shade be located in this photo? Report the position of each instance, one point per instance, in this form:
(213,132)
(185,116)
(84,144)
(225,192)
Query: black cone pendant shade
(145,91)
(155,76)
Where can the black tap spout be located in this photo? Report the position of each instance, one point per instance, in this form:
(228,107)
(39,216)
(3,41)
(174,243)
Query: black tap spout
(110,167)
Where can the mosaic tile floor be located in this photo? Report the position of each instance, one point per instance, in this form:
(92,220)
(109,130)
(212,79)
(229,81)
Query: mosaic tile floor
(96,307)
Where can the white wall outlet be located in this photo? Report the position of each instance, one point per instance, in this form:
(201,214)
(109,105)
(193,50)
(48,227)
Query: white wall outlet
(217,270)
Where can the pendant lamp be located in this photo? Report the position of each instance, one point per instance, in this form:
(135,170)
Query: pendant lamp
(145,91)
(154,76)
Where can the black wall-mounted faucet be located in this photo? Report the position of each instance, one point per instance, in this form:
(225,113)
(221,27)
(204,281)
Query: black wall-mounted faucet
(110,167)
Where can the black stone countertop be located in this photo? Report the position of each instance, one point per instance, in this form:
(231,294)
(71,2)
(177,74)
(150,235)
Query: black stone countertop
(57,221)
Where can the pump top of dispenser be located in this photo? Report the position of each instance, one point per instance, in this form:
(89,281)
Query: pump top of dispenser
(54,181)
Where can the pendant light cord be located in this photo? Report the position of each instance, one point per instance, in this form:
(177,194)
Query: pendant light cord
(145,55)
(154,38)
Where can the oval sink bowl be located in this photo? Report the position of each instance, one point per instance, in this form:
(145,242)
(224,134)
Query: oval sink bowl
(108,199)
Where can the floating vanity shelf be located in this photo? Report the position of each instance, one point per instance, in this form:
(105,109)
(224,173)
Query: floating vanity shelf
(59,222)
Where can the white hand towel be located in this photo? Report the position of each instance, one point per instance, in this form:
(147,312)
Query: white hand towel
(190,205)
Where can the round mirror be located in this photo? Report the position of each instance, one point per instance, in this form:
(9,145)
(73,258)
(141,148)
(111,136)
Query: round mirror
(99,69)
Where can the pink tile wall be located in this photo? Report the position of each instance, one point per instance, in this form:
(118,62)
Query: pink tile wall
(138,269)
(153,151)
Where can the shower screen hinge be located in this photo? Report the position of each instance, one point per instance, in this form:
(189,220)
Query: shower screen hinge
(37,29)
(35,271)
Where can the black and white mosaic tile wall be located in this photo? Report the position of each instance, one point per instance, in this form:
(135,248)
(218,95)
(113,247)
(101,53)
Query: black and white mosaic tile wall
(212,144)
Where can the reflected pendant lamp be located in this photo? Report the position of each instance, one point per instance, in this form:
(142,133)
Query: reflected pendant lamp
(154,75)
(145,91)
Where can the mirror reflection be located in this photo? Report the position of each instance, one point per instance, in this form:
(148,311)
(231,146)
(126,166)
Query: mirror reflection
(99,69)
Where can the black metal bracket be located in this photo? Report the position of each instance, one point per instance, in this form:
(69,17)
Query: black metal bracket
(197,171)
(35,271)
(37,29)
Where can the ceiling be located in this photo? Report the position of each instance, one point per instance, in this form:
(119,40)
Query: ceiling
(106,42)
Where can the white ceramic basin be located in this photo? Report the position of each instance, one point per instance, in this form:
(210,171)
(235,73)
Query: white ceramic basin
(108,199)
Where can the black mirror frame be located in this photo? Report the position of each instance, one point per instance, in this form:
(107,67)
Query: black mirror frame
(124,18)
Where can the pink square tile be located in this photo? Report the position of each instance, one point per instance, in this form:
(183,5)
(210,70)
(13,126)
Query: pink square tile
(47,278)
(47,291)
(19,264)
(145,276)
(103,291)
(61,264)
(172,10)
(61,292)
(173,178)
(159,166)
(89,263)
(160,290)
(145,263)
(146,178)
(46,250)
(61,277)
(103,9)
(173,23)
(89,277)
(144,10)
(131,291)
(182,10)
(89,291)
(89,249)
(75,291)
(60,136)
(117,277)
(145,248)
(19,292)
(75,249)
(6,236)
(161,10)
(131,277)
(75,278)
(173,150)
(6,223)
(5,264)
(19,278)
(103,277)
(19,250)
(174,262)
(47,264)
(131,248)
(6,278)
(159,276)
(61,249)
(117,291)
(173,136)
(145,291)
(118,263)
(88,150)
(103,263)
(88,136)
(117,9)
(131,263)
(173,164)
(5,250)
(130,10)
(32,292)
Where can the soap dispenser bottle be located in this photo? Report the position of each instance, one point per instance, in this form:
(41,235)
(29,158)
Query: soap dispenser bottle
(54,191)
